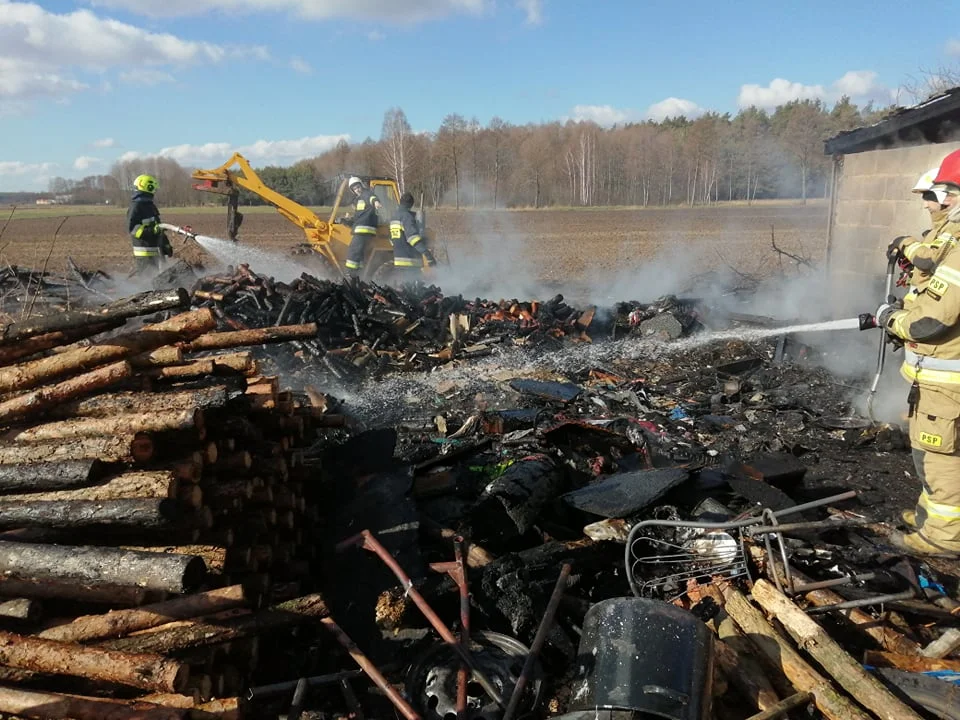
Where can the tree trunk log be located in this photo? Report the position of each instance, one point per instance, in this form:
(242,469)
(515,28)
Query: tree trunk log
(123,622)
(223,708)
(161,357)
(110,404)
(87,565)
(156,484)
(910,663)
(54,706)
(79,359)
(308,607)
(129,513)
(781,654)
(107,449)
(139,670)
(199,368)
(49,475)
(25,348)
(215,557)
(171,700)
(143,304)
(126,424)
(865,688)
(243,338)
(42,399)
(242,362)
(76,592)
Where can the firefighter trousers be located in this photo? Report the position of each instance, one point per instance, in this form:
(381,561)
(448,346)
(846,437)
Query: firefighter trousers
(146,266)
(355,253)
(938,508)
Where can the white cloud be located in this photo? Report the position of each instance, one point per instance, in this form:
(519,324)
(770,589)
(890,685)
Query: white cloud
(262,152)
(18,169)
(395,10)
(42,52)
(953,48)
(376,36)
(146,77)
(85,162)
(673,107)
(105,143)
(859,85)
(533,9)
(604,115)
(301,65)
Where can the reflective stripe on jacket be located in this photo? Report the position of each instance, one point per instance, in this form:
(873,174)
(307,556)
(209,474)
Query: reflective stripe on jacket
(365,220)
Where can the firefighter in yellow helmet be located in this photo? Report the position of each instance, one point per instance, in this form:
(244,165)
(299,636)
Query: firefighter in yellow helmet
(926,252)
(150,243)
(930,328)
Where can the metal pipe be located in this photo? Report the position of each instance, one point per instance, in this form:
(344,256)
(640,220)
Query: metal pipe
(370,669)
(784,706)
(265,691)
(299,695)
(538,641)
(815,525)
(862,602)
(367,541)
(457,571)
(835,582)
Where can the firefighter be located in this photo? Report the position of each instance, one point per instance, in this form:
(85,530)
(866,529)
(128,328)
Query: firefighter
(410,249)
(150,243)
(930,328)
(364,221)
(925,253)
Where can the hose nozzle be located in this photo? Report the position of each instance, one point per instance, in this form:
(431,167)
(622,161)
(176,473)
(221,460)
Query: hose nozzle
(868,321)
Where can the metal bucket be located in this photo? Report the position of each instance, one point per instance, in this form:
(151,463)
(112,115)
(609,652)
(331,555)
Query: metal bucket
(646,657)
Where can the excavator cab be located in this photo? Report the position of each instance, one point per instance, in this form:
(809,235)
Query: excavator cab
(328,238)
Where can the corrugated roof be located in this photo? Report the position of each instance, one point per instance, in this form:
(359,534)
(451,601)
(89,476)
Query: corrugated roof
(933,120)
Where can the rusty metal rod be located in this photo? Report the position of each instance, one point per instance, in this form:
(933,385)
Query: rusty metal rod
(370,669)
(862,602)
(784,706)
(463,674)
(538,641)
(368,541)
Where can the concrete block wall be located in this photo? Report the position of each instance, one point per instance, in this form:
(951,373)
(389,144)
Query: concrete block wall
(875,205)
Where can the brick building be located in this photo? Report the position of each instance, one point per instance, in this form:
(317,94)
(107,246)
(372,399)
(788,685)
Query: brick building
(874,168)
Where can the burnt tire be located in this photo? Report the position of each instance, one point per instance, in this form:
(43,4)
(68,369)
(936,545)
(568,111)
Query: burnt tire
(940,699)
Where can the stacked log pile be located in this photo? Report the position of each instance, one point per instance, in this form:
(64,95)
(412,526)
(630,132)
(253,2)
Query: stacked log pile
(154,513)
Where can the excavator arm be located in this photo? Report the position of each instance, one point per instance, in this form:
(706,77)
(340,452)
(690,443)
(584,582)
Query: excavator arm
(225,180)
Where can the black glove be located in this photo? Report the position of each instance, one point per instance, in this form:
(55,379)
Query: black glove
(430,259)
(165,247)
(347,220)
(893,249)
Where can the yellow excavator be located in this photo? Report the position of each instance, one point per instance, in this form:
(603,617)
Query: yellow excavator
(329,238)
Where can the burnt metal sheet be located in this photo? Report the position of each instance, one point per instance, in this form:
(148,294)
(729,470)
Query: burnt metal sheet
(547,389)
(626,493)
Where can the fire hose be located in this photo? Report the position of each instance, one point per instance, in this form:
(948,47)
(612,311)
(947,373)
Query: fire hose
(868,321)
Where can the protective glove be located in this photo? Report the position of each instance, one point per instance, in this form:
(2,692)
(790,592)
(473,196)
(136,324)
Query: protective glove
(895,248)
(429,258)
(165,247)
(885,311)
(346,220)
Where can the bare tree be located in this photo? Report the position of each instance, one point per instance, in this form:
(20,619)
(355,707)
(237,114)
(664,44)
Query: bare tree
(450,138)
(498,131)
(395,144)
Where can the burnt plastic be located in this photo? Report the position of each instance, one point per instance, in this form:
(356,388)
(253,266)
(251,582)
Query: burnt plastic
(645,657)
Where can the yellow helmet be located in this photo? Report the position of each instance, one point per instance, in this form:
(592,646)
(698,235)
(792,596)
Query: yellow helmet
(146,183)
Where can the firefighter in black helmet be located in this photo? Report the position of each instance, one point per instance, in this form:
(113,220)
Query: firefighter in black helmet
(410,251)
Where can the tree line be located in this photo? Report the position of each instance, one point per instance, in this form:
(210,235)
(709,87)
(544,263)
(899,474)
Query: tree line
(716,157)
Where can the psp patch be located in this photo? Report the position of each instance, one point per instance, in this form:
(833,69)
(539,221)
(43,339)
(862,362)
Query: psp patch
(931,440)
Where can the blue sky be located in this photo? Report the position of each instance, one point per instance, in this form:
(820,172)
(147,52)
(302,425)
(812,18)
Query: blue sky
(85,83)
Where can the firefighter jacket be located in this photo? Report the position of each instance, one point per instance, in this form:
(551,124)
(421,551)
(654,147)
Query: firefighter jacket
(930,324)
(365,220)
(143,220)
(926,253)
(409,246)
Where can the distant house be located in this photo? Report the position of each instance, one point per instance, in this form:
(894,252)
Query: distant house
(874,168)
(45,201)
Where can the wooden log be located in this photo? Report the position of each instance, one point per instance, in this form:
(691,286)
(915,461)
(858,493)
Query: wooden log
(101,593)
(50,475)
(190,496)
(865,688)
(42,399)
(259,336)
(943,646)
(138,513)
(239,461)
(243,362)
(88,565)
(171,700)
(910,663)
(107,449)
(161,357)
(214,557)
(308,607)
(125,424)
(222,709)
(21,609)
(139,670)
(79,359)
(31,346)
(109,404)
(188,469)
(39,705)
(147,484)
(143,304)
(242,489)
(781,654)
(198,368)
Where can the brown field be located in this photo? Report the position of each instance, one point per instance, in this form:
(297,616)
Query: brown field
(552,247)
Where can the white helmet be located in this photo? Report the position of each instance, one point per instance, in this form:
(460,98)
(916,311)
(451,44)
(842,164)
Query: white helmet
(926,184)
(357,181)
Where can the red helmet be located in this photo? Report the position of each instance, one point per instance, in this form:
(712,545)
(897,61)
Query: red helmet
(949,170)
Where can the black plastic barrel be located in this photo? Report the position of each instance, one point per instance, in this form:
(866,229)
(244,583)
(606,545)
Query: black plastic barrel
(643,658)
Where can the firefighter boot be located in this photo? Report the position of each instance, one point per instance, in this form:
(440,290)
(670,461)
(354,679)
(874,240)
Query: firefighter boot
(917,545)
(909,518)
